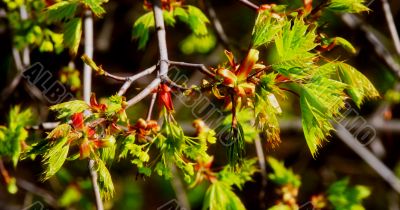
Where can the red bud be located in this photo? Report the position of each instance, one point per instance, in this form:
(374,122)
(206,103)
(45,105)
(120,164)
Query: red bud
(77,120)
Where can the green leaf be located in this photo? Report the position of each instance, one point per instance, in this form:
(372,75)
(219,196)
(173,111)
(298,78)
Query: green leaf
(46,46)
(351,6)
(239,177)
(266,28)
(12,136)
(60,131)
(95,6)
(105,180)
(169,18)
(294,41)
(343,196)
(196,20)
(345,44)
(55,157)
(60,11)
(181,14)
(198,44)
(359,87)
(141,28)
(320,101)
(281,175)
(220,196)
(71,195)
(280,207)
(72,34)
(267,109)
(12,187)
(66,109)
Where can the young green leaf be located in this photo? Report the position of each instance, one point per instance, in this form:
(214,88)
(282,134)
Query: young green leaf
(67,109)
(345,44)
(320,101)
(342,196)
(281,175)
(230,176)
(266,28)
(267,109)
(359,87)
(196,20)
(351,6)
(280,207)
(294,41)
(12,136)
(105,180)
(72,34)
(55,157)
(62,10)
(142,27)
(95,6)
(220,196)
(198,44)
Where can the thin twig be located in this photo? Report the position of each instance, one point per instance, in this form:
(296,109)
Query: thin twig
(87,70)
(223,38)
(174,85)
(380,49)
(161,37)
(368,157)
(96,189)
(152,103)
(87,89)
(263,171)
(145,92)
(29,187)
(26,60)
(133,78)
(202,67)
(249,4)
(391,25)
(4,172)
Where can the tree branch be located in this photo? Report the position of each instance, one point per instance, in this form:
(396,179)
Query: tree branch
(133,78)
(202,67)
(87,89)
(29,187)
(161,37)
(145,92)
(224,40)
(153,101)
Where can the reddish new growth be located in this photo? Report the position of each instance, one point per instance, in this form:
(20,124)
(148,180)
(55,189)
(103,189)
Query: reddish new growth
(166,4)
(144,128)
(164,97)
(235,77)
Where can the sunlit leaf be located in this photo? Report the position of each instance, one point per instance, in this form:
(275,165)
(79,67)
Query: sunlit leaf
(142,27)
(55,157)
(72,34)
(220,196)
(62,10)
(282,175)
(360,88)
(67,109)
(352,6)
